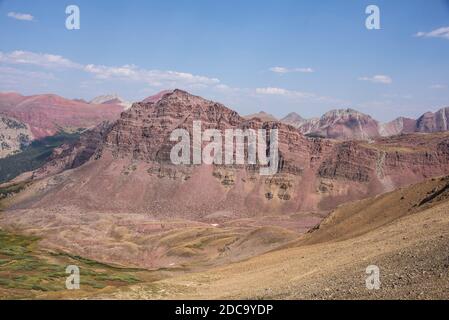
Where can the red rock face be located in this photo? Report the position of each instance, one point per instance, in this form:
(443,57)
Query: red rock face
(129,168)
(47,114)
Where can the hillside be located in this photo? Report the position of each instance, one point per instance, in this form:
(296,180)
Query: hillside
(405,233)
(47,114)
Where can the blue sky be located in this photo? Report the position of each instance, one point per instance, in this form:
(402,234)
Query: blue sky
(278,56)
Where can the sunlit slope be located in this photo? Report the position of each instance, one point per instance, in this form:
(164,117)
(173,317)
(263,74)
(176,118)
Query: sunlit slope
(405,233)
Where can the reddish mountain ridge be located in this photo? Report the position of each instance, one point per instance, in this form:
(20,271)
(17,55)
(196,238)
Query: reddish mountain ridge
(349,124)
(125,167)
(46,114)
(341,124)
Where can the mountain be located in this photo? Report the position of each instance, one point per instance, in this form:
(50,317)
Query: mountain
(433,121)
(132,206)
(14,136)
(47,114)
(113,99)
(341,124)
(349,124)
(155,98)
(128,167)
(293,119)
(403,232)
(262,116)
(398,126)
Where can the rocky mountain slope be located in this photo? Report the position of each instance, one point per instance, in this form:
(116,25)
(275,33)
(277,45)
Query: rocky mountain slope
(129,169)
(398,126)
(404,233)
(47,114)
(14,136)
(433,121)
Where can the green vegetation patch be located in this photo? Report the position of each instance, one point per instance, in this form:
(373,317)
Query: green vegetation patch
(33,156)
(25,270)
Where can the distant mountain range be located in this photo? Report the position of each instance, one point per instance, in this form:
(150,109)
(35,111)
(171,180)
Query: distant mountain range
(132,155)
(47,114)
(349,124)
(26,118)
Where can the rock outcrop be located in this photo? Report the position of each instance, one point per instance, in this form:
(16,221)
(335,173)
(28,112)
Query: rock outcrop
(14,136)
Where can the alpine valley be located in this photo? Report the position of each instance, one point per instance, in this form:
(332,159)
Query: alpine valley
(103,194)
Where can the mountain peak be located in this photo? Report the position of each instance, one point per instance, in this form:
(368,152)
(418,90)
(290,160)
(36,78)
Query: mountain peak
(158,96)
(293,116)
(111,99)
(343,112)
(262,115)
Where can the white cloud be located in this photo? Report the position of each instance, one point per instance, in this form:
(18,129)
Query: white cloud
(438,86)
(272,91)
(380,78)
(37,59)
(437,33)
(285,92)
(298,95)
(21,16)
(155,78)
(283,70)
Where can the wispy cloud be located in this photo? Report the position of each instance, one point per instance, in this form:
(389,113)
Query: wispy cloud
(380,78)
(13,78)
(297,95)
(273,91)
(438,86)
(442,32)
(37,59)
(283,70)
(156,78)
(21,16)
(21,74)
(284,92)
